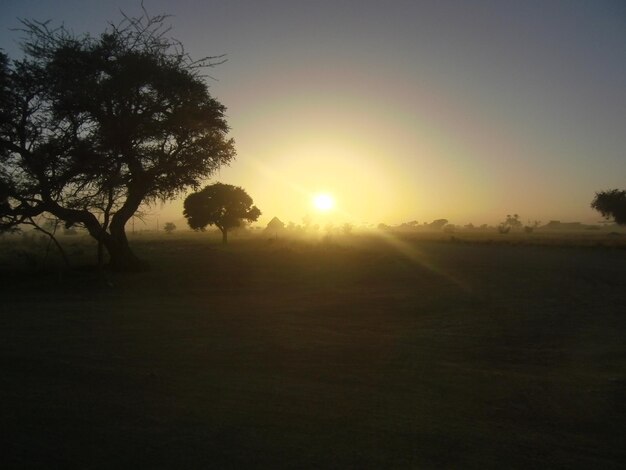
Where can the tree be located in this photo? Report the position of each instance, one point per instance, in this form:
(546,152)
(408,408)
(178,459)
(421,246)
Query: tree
(511,222)
(91,128)
(611,204)
(438,224)
(531,226)
(169,227)
(222,205)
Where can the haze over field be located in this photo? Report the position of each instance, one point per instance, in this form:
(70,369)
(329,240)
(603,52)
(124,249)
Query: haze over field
(403,110)
(468,329)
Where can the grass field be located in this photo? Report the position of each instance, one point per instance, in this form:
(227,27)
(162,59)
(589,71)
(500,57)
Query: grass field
(356,352)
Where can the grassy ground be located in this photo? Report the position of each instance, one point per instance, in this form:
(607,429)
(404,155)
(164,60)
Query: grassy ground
(348,353)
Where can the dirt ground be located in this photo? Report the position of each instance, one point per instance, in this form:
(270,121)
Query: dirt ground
(353,352)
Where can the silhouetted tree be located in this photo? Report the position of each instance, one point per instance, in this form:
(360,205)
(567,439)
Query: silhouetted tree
(504,228)
(91,128)
(169,227)
(531,226)
(611,204)
(511,222)
(222,205)
(438,224)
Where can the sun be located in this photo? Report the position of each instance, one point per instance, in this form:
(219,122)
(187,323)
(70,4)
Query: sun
(323,202)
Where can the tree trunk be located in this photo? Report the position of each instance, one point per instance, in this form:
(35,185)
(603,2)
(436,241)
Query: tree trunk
(224,236)
(122,257)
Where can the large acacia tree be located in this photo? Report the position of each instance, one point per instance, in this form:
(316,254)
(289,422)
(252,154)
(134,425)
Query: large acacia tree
(92,128)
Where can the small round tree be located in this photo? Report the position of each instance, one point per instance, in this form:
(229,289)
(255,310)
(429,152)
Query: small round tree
(611,203)
(169,227)
(222,205)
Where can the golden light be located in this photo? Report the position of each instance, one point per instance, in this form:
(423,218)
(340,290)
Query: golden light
(323,202)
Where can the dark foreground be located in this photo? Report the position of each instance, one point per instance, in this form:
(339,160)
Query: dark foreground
(291,355)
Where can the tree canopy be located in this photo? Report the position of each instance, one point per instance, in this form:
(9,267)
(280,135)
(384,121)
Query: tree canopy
(222,205)
(611,204)
(91,128)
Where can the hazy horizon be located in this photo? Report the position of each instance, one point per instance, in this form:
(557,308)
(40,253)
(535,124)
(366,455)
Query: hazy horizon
(402,111)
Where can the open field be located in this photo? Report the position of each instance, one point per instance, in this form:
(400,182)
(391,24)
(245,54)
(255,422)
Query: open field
(356,352)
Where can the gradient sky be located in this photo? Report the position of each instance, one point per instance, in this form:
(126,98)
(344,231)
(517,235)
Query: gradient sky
(403,110)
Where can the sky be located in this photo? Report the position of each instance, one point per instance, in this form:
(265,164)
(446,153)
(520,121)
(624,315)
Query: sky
(401,110)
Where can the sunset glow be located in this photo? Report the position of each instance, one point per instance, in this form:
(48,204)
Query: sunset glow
(411,112)
(323,202)
(313,233)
